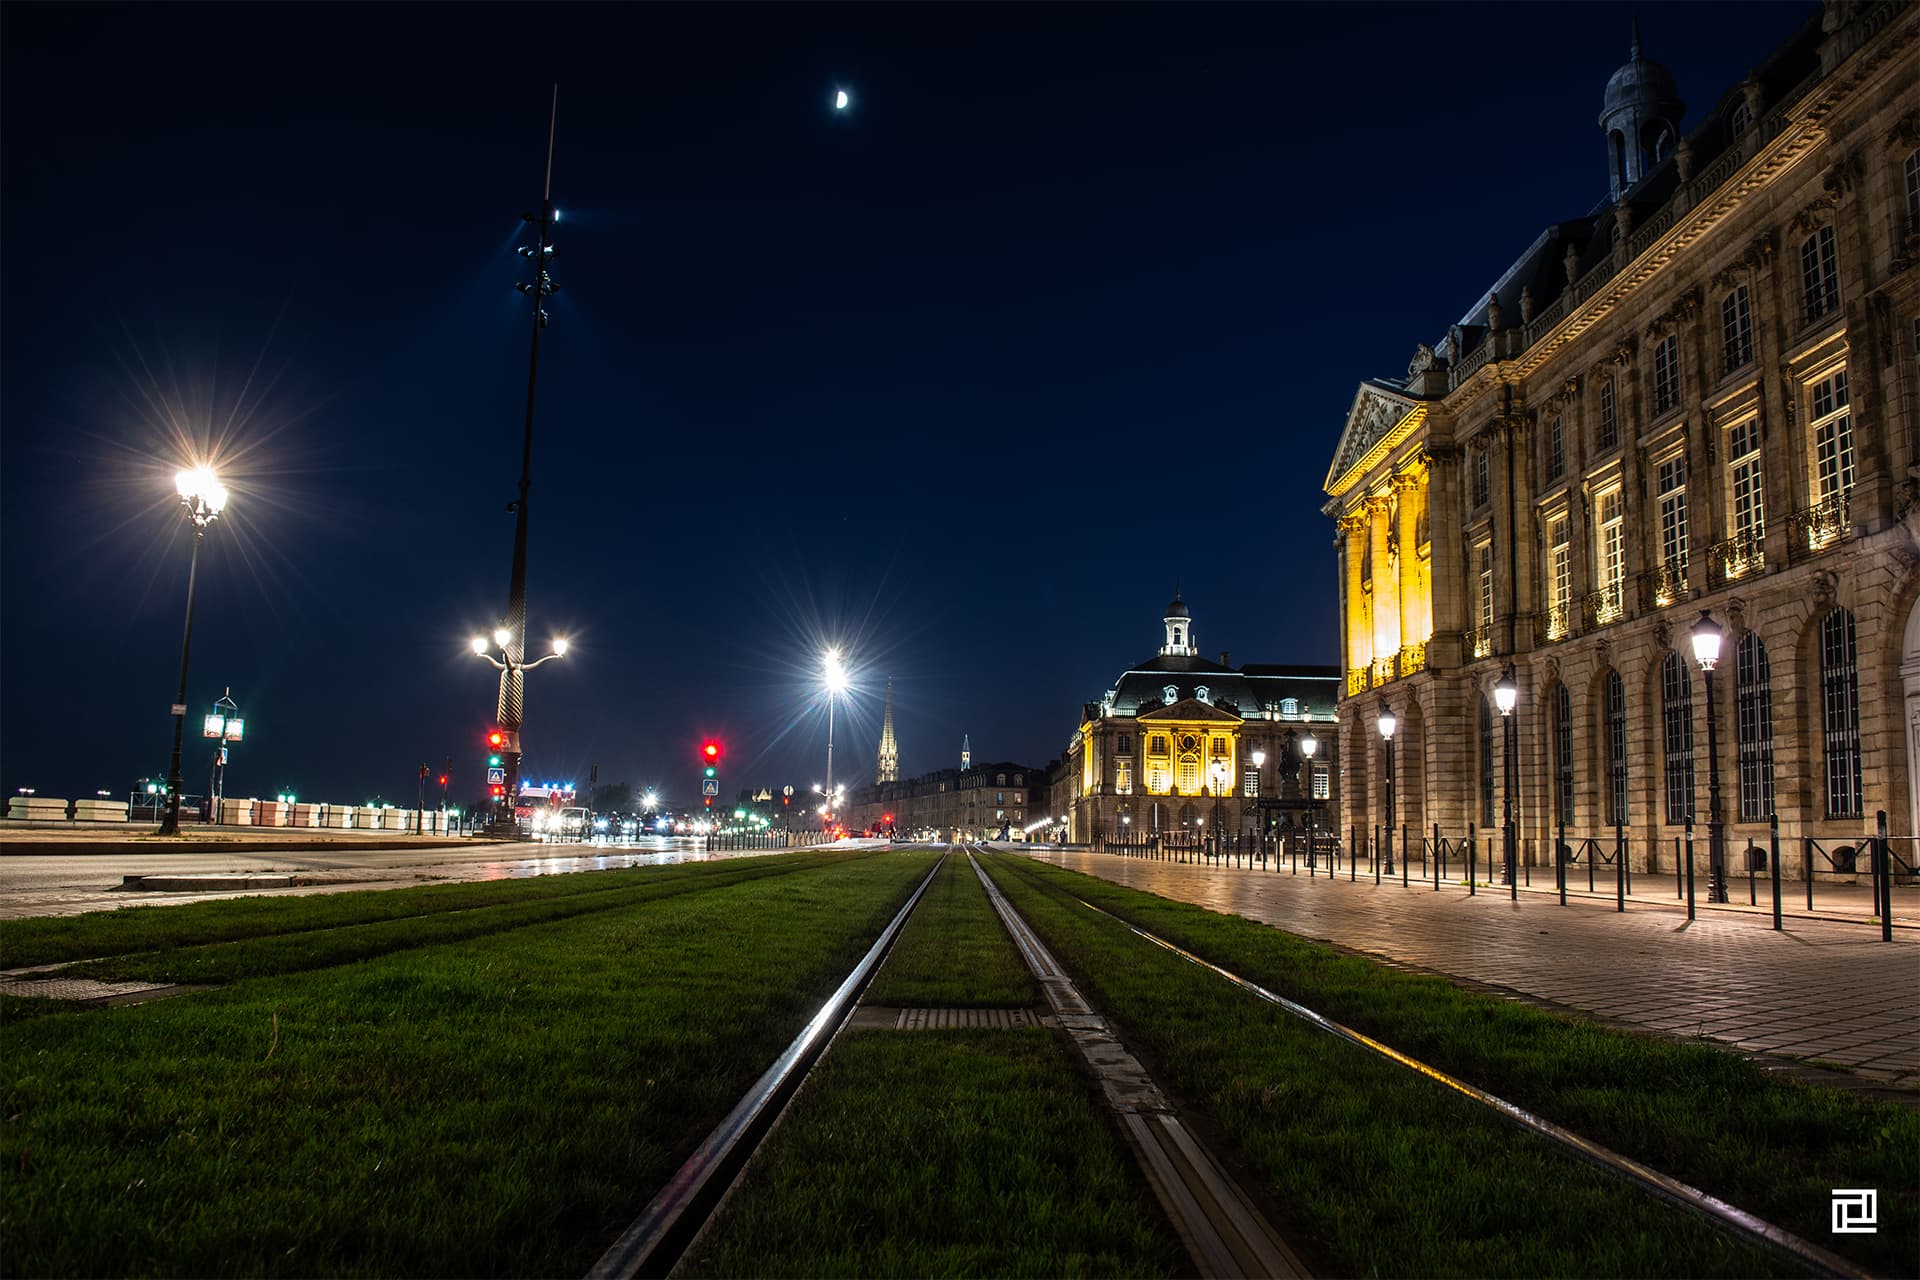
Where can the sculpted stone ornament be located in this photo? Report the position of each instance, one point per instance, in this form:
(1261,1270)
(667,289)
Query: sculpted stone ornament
(1824,584)
(1571,264)
(1421,362)
(1526,304)
(1493,314)
(1663,634)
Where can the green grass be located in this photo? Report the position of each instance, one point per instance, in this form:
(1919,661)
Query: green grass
(1374,1170)
(502,1104)
(953,952)
(1771,1144)
(57,939)
(943,1153)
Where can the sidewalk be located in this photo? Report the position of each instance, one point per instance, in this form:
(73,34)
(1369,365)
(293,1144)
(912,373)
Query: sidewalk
(1825,991)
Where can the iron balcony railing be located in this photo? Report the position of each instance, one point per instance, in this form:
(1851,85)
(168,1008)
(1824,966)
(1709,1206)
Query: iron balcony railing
(1740,556)
(1480,642)
(1556,623)
(1599,608)
(1664,586)
(1822,524)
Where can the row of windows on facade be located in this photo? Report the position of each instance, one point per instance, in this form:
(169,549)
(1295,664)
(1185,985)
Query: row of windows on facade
(1821,285)
(1186,772)
(1831,474)
(1753,735)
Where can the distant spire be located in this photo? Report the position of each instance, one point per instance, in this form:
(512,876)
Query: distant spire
(966,752)
(1636,37)
(889,750)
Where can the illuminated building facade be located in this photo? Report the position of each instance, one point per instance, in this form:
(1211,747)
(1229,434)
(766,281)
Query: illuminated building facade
(1171,747)
(975,802)
(1700,398)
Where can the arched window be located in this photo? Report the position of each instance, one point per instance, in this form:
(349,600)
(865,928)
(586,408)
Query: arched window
(1170,694)
(1563,753)
(1486,762)
(1840,713)
(999,779)
(1616,748)
(1289,707)
(1204,694)
(1676,707)
(1741,120)
(1753,727)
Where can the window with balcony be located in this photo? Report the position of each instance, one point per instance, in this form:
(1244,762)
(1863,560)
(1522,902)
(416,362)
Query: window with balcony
(1736,330)
(1676,707)
(1746,502)
(1559,576)
(1666,374)
(1610,567)
(1840,714)
(1753,727)
(1672,489)
(1819,275)
(1832,438)
(1608,434)
(1483,599)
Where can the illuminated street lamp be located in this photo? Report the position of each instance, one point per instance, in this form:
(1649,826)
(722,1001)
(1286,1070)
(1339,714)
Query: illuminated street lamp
(1706,651)
(1506,695)
(1387,725)
(1259,763)
(202,494)
(512,669)
(834,676)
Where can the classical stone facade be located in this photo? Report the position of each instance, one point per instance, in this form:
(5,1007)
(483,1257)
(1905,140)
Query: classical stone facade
(975,802)
(1182,744)
(1702,399)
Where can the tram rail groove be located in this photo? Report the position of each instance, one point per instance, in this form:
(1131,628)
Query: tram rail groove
(1222,1229)
(654,1244)
(1712,1208)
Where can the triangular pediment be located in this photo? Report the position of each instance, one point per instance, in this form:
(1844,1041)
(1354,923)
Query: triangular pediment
(1190,711)
(1377,409)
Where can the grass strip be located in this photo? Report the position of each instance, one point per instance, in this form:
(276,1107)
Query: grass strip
(504,1105)
(152,927)
(953,952)
(942,1153)
(295,952)
(1771,1144)
(1374,1170)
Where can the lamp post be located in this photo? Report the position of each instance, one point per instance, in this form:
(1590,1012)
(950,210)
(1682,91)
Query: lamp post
(1706,651)
(512,669)
(1259,785)
(1387,725)
(1309,747)
(836,682)
(202,494)
(1506,694)
(1217,775)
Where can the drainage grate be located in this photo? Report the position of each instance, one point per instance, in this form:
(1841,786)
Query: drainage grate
(882,1019)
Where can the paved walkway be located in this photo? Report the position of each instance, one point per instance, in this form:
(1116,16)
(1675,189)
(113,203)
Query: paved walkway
(1821,991)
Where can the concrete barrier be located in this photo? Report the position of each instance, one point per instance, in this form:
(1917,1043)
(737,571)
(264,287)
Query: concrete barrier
(237,813)
(37,808)
(393,819)
(269,813)
(100,810)
(339,815)
(305,815)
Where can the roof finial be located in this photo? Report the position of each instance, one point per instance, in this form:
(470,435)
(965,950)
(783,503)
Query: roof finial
(1636,37)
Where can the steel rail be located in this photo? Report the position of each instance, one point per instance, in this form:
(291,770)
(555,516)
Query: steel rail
(1688,1197)
(655,1241)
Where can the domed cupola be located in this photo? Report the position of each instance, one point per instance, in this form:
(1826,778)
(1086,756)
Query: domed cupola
(1179,631)
(1641,114)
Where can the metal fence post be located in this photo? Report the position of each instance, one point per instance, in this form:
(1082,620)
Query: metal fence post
(1473,862)
(1806,861)
(1619,866)
(1751,901)
(1439,858)
(1560,860)
(1886,875)
(1773,861)
(1689,866)
(1679,871)
(1403,855)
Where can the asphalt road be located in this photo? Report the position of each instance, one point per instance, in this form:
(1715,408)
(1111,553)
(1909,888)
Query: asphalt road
(53,884)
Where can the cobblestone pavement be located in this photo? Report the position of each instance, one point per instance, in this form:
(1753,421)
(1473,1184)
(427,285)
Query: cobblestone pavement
(1820,991)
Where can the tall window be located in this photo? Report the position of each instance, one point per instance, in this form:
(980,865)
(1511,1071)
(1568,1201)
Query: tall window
(1616,748)
(1322,782)
(1741,120)
(1666,374)
(1676,714)
(1840,707)
(1913,192)
(1482,479)
(1609,433)
(1819,275)
(1483,597)
(1486,762)
(1753,727)
(1123,777)
(1563,753)
(1832,438)
(1673,514)
(1250,783)
(1749,488)
(1736,330)
(1556,450)
(1611,565)
(1560,575)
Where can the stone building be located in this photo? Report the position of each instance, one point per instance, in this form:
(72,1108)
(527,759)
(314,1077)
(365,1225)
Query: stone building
(1701,398)
(974,802)
(1171,747)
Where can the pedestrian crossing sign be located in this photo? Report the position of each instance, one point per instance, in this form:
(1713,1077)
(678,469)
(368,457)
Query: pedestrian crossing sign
(710,786)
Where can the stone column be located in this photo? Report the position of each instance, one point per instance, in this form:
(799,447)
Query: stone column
(1359,637)
(1386,588)
(1412,599)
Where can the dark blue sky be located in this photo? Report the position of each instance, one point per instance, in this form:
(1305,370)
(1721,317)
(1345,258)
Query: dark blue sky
(1070,306)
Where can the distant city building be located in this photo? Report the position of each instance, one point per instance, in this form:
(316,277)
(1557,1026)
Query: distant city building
(889,767)
(975,803)
(1170,747)
(1700,397)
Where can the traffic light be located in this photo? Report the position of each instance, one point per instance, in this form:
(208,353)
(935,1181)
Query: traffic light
(497,790)
(443,779)
(496,740)
(711,772)
(711,752)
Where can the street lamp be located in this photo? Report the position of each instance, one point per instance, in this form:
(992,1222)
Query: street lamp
(835,678)
(1706,651)
(1310,747)
(1387,725)
(1506,693)
(1218,776)
(512,668)
(202,494)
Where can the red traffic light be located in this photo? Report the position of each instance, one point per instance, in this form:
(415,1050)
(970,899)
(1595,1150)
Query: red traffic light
(498,790)
(496,739)
(443,779)
(711,751)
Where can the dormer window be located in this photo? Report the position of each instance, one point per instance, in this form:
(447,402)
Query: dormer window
(1204,694)
(1289,707)
(1170,694)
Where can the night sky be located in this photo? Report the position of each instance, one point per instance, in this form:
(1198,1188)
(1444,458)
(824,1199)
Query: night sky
(1069,307)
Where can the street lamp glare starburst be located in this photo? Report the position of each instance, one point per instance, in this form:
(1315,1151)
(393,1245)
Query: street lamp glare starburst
(200,484)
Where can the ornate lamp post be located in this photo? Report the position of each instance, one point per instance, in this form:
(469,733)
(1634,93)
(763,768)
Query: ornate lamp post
(512,644)
(836,683)
(1309,747)
(202,494)
(1217,775)
(1259,786)
(1387,725)
(1506,694)
(1706,651)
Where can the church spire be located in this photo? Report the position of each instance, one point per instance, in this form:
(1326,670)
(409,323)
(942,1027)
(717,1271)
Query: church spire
(966,752)
(889,750)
